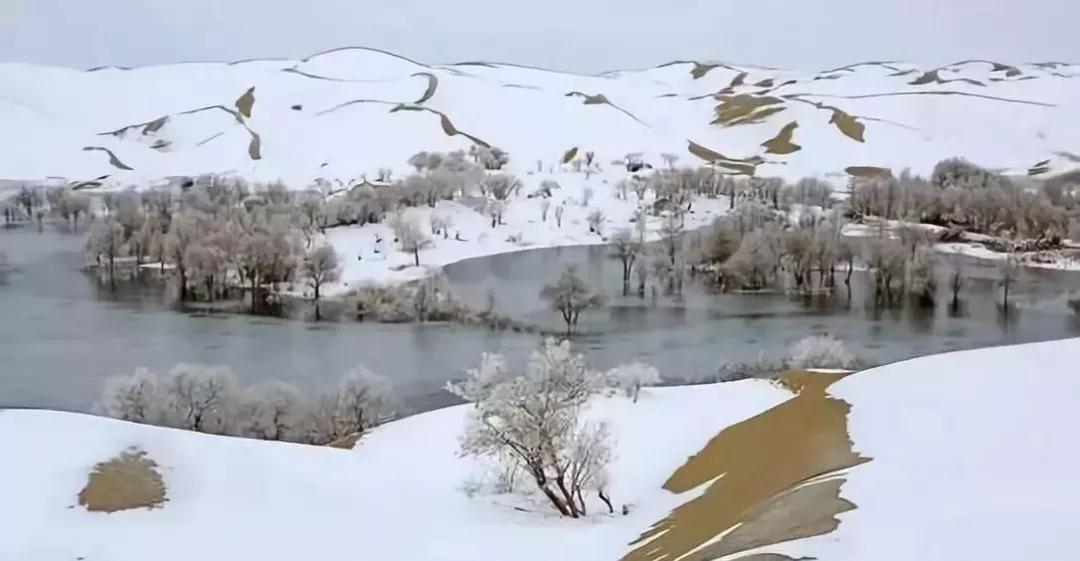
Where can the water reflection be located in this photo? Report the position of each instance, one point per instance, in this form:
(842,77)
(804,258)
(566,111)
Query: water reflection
(62,333)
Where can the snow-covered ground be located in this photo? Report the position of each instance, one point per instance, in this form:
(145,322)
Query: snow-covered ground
(523,228)
(972,457)
(345,113)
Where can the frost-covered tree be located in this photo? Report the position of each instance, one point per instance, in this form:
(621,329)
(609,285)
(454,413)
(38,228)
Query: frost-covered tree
(587,195)
(138,398)
(410,237)
(106,244)
(822,351)
(559,211)
(669,159)
(626,249)
(183,232)
(320,266)
(595,220)
(272,411)
(545,205)
(630,378)
(570,295)
(671,236)
(200,397)
(533,421)
(362,400)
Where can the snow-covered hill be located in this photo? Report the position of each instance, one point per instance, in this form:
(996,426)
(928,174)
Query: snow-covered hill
(959,456)
(345,113)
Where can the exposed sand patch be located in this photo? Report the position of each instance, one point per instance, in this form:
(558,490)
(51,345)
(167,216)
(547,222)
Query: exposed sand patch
(245,102)
(782,142)
(775,477)
(125,482)
(743,108)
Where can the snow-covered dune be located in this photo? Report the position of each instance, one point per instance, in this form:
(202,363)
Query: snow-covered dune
(964,455)
(345,113)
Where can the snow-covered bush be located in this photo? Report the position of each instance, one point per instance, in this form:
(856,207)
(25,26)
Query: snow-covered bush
(629,378)
(533,421)
(137,398)
(821,351)
(361,401)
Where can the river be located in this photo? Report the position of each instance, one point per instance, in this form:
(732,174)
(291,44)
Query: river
(62,335)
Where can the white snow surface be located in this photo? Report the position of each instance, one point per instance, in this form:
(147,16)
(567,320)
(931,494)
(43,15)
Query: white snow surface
(523,222)
(972,458)
(1001,116)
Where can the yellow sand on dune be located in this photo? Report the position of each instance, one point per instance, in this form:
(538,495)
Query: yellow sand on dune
(775,477)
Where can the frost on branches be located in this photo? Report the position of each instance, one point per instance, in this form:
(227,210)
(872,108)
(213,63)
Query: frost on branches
(822,351)
(629,378)
(532,422)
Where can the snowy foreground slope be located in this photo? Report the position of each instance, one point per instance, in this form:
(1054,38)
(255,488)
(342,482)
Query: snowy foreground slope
(970,456)
(343,114)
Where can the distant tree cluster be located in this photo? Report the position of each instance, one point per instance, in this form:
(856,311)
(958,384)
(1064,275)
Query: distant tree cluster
(210,399)
(964,196)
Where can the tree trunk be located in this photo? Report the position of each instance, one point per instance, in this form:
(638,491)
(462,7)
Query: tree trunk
(416,256)
(607,501)
(555,500)
(568,496)
(318,316)
(254,293)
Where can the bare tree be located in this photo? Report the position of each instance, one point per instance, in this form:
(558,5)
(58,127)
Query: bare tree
(320,266)
(569,295)
(272,411)
(410,237)
(362,400)
(183,231)
(559,210)
(626,249)
(532,421)
(671,233)
(199,397)
(545,205)
(107,243)
(136,398)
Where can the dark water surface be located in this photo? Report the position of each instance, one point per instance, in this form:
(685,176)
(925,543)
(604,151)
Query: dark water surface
(61,334)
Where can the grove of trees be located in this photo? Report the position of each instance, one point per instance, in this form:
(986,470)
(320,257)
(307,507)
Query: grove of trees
(210,399)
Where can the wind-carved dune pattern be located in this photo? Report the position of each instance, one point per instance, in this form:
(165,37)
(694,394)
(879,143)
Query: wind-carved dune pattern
(601,99)
(246,102)
(745,108)
(934,77)
(766,102)
(776,477)
(781,143)
(868,171)
(113,160)
(732,166)
(432,85)
(126,482)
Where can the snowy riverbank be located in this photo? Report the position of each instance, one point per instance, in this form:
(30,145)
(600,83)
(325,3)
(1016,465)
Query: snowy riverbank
(969,451)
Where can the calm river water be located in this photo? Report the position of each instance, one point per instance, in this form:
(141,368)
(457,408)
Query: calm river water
(61,334)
